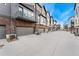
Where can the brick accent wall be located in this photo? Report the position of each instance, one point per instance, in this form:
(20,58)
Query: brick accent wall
(6,22)
(41,26)
(22,23)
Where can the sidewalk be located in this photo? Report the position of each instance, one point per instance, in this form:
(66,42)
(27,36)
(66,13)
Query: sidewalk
(3,42)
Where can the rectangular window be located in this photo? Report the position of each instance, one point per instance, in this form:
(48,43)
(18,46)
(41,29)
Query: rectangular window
(30,13)
(25,12)
(20,10)
(38,19)
(42,20)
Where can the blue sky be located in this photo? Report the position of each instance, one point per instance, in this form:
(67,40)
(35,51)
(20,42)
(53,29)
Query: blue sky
(60,11)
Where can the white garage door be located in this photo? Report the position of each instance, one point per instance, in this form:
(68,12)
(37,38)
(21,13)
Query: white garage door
(2,32)
(24,31)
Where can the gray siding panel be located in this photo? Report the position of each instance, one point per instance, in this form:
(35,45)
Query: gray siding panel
(15,14)
(14,9)
(5,9)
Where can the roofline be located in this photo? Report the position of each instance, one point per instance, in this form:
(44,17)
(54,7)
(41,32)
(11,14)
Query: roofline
(26,6)
(74,6)
(38,4)
(44,8)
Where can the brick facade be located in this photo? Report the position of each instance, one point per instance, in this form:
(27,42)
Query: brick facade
(21,23)
(6,22)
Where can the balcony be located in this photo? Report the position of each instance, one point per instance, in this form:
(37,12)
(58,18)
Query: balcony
(24,16)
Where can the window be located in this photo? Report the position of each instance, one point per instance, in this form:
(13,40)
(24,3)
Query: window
(25,12)
(30,13)
(38,19)
(44,21)
(20,9)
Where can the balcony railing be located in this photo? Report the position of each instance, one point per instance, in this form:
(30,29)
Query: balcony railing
(25,16)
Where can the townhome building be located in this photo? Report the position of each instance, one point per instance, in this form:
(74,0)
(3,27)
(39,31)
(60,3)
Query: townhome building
(55,25)
(51,23)
(44,19)
(24,15)
(41,13)
(48,21)
(19,19)
(16,18)
(5,20)
(76,21)
(71,24)
(38,12)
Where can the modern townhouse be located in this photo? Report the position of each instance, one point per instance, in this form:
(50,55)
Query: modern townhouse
(48,18)
(44,19)
(48,21)
(54,26)
(58,26)
(41,18)
(71,24)
(5,20)
(51,23)
(76,21)
(24,15)
(38,12)
(18,19)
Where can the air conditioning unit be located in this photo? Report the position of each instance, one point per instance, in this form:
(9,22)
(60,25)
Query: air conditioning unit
(11,37)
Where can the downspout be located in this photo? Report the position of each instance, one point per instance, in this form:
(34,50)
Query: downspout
(35,20)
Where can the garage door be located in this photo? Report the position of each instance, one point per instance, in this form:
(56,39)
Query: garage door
(46,30)
(23,31)
(2,32)
(41,30)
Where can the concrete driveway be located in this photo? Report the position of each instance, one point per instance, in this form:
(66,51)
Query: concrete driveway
(57,43)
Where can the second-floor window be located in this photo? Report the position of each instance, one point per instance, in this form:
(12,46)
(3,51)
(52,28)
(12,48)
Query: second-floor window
(30,13)
(38,19)
(26,12)
(20,10)
(43,20)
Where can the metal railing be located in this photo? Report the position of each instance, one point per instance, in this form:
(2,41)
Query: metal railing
(25,16)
